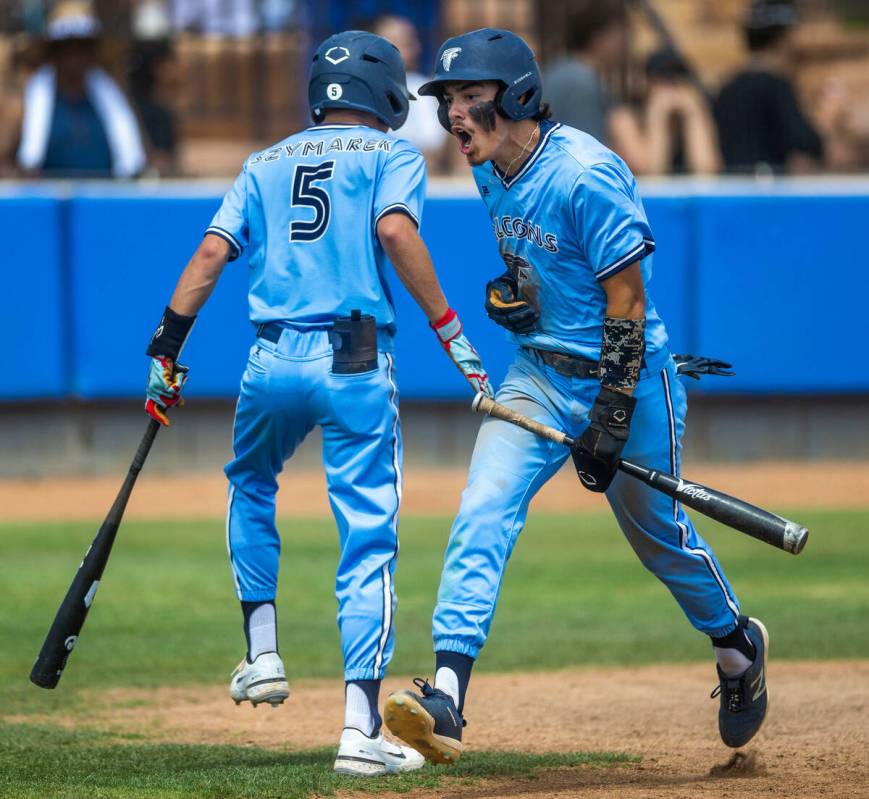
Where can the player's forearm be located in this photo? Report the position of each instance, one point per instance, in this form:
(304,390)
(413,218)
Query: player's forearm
(200,276)
(414,267)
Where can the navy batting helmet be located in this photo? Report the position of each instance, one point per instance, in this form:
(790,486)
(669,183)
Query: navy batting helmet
(362,72)
(490,54)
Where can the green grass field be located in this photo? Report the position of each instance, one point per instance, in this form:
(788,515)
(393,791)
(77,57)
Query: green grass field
(166,614)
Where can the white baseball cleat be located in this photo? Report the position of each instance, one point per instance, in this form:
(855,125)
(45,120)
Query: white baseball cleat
(264,680)
(361,756)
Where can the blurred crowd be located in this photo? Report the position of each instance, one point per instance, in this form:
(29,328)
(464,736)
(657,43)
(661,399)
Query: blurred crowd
(754,124)
(65,114)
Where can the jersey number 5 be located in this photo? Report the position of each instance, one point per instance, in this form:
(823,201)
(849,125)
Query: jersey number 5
(308,195)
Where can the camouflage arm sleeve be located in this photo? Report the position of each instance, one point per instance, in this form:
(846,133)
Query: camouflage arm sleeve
(621,353)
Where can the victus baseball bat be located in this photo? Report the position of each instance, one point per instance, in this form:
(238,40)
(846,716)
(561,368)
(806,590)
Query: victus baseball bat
(735,513)
(71,615)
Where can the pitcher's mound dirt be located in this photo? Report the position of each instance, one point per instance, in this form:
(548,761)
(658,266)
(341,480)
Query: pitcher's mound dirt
(815,742)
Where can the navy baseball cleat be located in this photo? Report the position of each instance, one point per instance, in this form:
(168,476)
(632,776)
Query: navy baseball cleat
(429,723)
(744,698)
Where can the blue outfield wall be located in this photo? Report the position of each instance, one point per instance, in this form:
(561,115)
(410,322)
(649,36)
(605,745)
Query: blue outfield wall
(33,309)
(741,274)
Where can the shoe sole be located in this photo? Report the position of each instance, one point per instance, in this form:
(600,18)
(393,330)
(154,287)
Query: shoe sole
(275,692)
(359,767)
(411,722)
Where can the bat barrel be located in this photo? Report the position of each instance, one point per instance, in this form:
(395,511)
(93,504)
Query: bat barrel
(70,617)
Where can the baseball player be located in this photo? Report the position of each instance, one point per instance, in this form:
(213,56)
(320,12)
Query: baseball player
(591,359)
(321,214)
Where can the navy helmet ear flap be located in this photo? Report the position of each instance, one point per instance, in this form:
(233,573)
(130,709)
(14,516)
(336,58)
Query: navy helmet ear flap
(522,99)
(444,113)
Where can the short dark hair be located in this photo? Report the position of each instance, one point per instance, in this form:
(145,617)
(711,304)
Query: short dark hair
(544,113)
(592,18)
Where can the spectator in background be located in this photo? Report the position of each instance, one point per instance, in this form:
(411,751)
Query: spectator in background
(236,18)
(153,82)
(422,127)
(74,120)
(679,127)
(597,36)
(761,126)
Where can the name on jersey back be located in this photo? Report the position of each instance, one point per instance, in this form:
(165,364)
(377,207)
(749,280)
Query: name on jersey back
(305,147)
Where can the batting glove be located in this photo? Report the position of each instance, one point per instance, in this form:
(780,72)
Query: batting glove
(696,365)
(165,381)
(506,308)
(596,453)
(449,331)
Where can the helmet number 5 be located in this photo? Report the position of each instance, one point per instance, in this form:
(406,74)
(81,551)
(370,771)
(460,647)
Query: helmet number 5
(308,195)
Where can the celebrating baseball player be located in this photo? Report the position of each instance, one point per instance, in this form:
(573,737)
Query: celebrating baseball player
(591,359)
(319,214)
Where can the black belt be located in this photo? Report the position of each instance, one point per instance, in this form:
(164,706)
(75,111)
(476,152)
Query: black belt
(270,331)
(567,365)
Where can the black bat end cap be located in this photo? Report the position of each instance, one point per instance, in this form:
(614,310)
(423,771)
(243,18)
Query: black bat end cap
(45,679)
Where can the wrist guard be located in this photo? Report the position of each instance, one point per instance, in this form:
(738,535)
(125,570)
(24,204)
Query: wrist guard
(621,353)
(170,335)
(447,328)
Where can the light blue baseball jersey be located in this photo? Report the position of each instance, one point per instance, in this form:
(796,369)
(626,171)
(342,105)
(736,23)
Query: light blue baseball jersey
(307,208)
(567,220)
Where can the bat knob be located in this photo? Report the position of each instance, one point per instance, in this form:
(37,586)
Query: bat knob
(795,537)
(478,405)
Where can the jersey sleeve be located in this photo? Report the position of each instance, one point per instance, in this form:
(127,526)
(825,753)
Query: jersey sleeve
(612,227)
(401,187)
(231,222)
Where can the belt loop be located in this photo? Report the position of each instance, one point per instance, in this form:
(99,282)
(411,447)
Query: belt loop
(259,330)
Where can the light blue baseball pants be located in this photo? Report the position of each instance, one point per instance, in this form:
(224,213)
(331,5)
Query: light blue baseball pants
(510,465)
(286,390)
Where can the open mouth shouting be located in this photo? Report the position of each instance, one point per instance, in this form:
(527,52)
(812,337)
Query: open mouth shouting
(464,138)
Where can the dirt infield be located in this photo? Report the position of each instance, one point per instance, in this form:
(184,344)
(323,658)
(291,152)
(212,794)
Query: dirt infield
(815,742)
(426,491)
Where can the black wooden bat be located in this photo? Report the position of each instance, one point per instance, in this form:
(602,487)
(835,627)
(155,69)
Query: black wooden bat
(73,611)
(735,513)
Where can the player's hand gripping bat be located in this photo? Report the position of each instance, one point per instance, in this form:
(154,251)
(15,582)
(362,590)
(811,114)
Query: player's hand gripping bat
(73,610)
(754,521)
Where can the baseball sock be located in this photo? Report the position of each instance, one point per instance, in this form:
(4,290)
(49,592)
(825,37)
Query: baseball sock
(734,651)
(260,628)
(452,674)
(360,706)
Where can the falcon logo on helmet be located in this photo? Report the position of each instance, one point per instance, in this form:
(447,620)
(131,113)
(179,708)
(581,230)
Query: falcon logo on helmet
(448,56)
